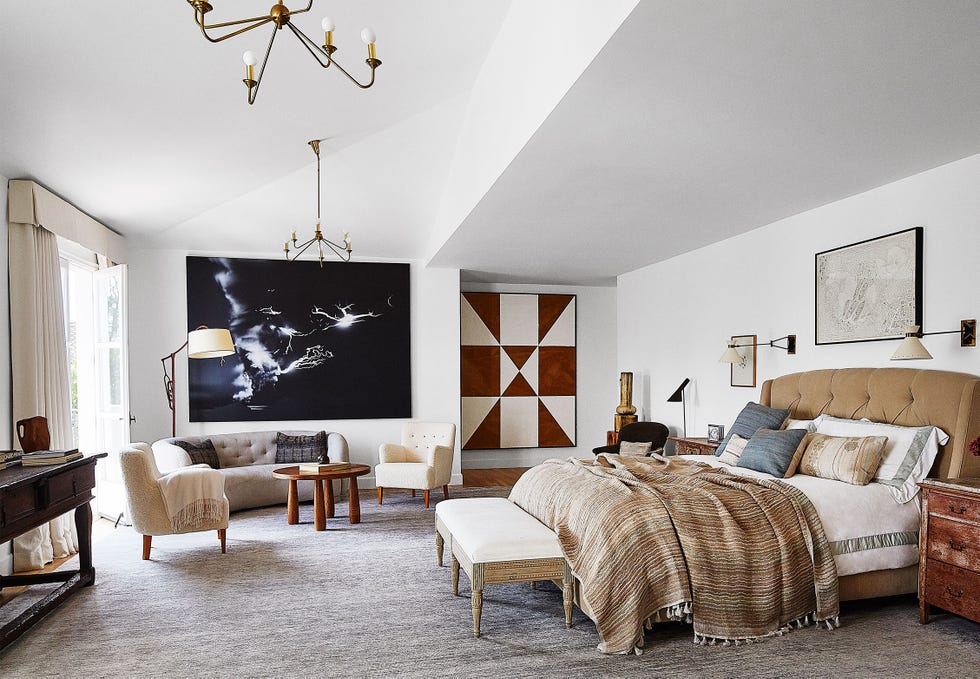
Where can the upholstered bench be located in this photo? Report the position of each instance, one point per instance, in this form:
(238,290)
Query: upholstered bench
(496,541)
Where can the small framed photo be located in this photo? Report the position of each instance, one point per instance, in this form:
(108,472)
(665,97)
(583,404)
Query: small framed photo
(743,372)
(716,432)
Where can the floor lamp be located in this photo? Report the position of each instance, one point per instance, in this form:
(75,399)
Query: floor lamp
(201,342)
(678,397)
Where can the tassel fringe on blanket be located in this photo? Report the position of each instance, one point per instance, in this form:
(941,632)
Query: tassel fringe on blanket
(199,512)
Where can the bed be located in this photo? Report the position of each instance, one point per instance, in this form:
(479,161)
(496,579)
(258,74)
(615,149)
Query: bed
(899,396)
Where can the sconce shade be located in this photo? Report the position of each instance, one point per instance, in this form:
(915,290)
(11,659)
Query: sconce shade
(677,396)
(209,343)
(911,348)
(730,356)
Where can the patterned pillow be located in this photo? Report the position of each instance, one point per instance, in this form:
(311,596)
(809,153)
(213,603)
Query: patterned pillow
(850,459)
(733,451)
(774,451)
(635,448)
(291,449)
(200,453)
(753,418)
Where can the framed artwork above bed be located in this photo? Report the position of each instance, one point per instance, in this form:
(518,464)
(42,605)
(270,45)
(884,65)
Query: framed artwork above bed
(871,290)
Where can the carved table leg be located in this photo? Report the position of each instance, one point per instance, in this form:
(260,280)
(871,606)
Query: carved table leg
(455,572)
(354,502)
(83,525)
(439,544)
(319,513)
(476,595)
(567,583)
(292,504)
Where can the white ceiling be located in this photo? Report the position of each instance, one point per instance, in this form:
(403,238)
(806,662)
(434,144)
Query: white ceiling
(697,121)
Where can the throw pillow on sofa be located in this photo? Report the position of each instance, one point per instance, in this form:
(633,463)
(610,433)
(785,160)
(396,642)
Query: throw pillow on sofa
(200,453)
(292,449)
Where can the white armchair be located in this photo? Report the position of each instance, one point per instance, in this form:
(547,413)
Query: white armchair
(423,460)
(184,501)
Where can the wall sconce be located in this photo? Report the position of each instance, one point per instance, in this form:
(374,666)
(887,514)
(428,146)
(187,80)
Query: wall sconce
(912,349)
(731,354)
(678,397)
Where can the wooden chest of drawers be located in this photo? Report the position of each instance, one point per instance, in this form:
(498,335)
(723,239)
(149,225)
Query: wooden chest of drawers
(692,446)
(949,547)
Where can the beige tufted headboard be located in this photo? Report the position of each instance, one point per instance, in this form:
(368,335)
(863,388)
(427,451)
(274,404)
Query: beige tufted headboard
(903,396)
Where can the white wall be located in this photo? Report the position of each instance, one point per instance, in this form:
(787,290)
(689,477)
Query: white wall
(597,377)
(676,316)
(158,318)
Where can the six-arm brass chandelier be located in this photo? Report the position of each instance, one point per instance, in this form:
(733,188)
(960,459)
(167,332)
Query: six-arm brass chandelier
(280,16)
(342,249)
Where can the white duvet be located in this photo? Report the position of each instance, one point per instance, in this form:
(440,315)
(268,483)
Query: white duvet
(868,530)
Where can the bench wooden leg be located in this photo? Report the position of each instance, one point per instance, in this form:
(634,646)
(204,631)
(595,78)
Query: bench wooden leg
(477,597)
(439,544)
(567,583)
(455,571)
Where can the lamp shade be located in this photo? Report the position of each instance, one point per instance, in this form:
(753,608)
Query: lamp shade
(209,343)
(911,348)
(678,394)
(730,356)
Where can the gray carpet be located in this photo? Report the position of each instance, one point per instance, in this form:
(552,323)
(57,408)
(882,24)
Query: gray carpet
(369,600)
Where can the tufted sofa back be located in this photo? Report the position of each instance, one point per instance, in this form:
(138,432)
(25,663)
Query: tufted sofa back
(902,396)
(259,447)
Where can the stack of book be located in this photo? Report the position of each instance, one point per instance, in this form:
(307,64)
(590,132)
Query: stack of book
(9,458)
(45,457)
(320,467)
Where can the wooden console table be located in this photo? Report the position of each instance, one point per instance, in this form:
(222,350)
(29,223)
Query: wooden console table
(693,446)
(32,496)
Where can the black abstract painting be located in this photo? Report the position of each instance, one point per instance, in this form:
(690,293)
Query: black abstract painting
(311,343)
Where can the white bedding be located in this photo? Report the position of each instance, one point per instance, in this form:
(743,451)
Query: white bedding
(868,530)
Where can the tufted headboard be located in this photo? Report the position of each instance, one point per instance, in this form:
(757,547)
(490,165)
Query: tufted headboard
(903,396)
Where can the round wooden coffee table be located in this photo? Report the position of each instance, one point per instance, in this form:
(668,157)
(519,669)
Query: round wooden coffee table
(323,502)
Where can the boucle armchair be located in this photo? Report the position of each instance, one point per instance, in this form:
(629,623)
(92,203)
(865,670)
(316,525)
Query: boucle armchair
(423,460)
(205,506)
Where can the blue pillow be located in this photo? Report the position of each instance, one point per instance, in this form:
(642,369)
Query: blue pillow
(753,418)
(773,451)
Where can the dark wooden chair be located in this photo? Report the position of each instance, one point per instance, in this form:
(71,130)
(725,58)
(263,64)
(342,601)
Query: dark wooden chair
(33,434)
(654,433)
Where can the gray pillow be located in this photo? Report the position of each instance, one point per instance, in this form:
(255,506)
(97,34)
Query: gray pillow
(291,449)
(753,418)
(774,451)
(200,453)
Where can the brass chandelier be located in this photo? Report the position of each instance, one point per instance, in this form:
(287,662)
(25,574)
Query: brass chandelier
(280,16)
(342,249)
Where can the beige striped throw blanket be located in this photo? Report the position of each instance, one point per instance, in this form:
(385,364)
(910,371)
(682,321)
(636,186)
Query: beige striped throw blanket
(653,539)
(192,496)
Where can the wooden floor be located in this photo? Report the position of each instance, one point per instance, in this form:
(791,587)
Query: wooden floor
(492,477)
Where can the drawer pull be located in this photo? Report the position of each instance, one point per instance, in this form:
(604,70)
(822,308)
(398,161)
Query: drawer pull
(961,510)
(957,594)
(958,546)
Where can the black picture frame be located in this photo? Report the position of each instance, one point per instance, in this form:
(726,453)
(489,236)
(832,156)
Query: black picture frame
(869,291)
(744,374)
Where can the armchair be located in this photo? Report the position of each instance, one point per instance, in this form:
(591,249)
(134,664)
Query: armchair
(423,460)
(184,501)
(653,432)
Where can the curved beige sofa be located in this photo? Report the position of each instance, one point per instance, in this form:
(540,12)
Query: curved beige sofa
(247,461)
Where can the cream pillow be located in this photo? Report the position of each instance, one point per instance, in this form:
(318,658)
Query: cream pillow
(853,460)
(908,456)
(635,448)
(733,451)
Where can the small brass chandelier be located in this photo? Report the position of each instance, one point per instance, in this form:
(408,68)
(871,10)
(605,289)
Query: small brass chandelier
(280,16)
(342,249)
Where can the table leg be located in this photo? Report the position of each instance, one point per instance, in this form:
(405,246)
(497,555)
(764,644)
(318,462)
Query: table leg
(355,502)
(83,525)
(319,513)
(330,499)
(292,504)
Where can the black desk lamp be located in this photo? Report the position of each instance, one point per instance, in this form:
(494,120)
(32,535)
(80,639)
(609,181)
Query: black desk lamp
(678,397)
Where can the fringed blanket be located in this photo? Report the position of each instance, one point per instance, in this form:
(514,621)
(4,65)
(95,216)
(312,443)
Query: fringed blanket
(667,539)
(193,496)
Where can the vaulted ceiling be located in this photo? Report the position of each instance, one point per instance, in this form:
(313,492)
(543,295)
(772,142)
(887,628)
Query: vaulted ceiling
(532,140)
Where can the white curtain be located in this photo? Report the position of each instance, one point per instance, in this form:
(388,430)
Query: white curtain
(39,369)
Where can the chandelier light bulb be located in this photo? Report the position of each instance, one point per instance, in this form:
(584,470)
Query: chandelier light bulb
(368,36)
(327,25)
(249,58)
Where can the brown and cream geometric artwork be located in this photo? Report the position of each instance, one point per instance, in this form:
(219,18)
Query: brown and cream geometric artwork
(517,370)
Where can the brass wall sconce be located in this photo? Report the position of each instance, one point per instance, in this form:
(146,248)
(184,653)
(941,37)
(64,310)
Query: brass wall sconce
(732,355)
(912,349)
(280,16)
